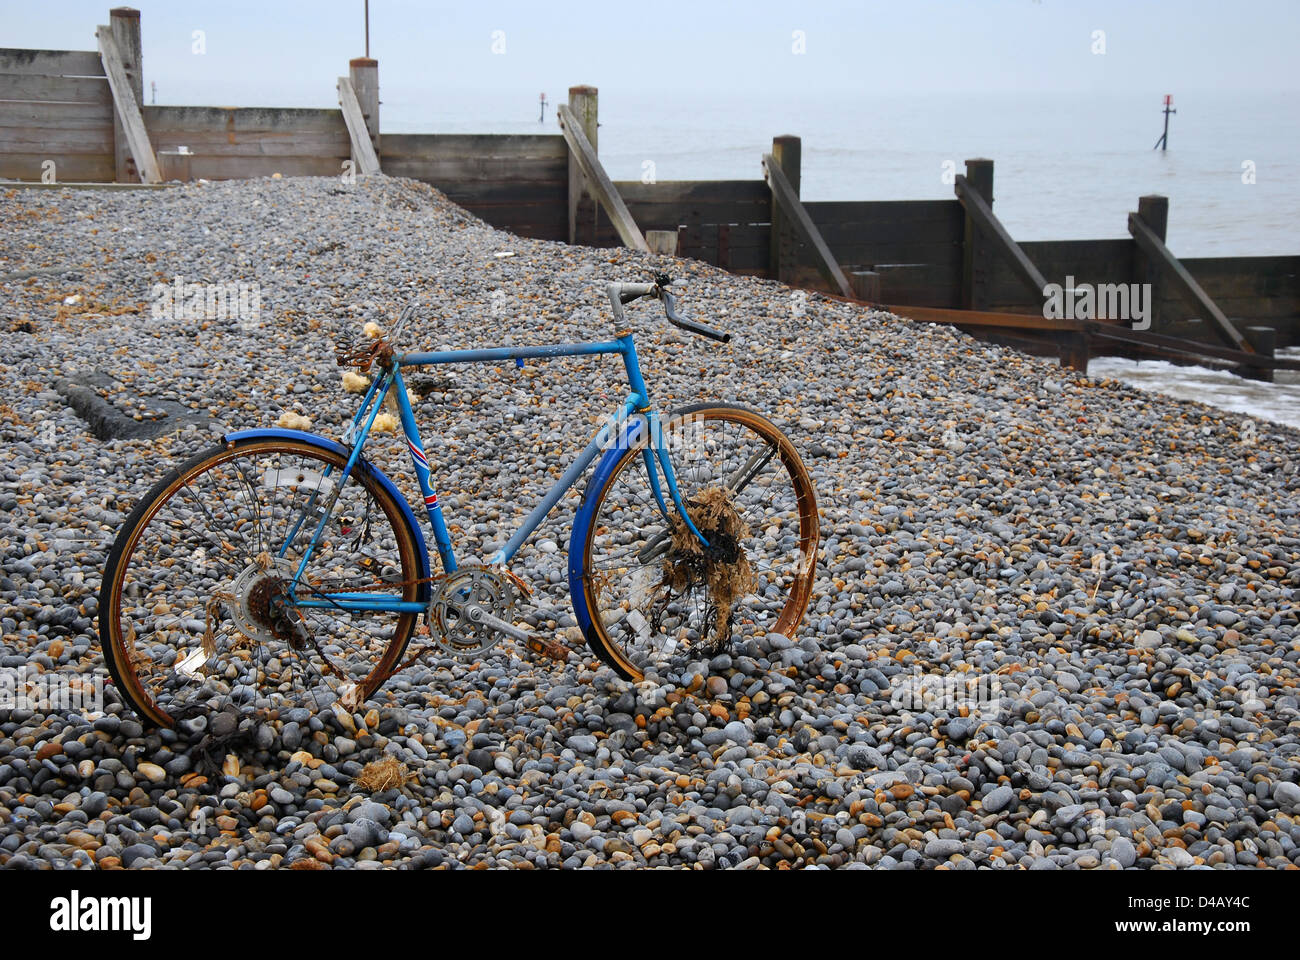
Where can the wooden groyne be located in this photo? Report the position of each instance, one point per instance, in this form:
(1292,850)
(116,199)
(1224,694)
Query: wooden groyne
(79,116)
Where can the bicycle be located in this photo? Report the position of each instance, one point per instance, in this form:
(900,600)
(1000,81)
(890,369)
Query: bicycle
(282,569)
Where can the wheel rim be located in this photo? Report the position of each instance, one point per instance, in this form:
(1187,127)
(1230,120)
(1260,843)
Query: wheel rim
(203,562)
(636,622)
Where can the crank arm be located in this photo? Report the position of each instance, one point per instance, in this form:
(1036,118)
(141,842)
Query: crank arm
(478,616)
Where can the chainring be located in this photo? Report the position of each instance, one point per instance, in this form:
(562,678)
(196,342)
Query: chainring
(453,633)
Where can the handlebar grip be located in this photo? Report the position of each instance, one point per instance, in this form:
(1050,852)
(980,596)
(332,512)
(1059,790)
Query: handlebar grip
(703,329)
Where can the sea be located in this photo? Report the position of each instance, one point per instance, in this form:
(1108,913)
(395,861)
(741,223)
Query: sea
(1066,166)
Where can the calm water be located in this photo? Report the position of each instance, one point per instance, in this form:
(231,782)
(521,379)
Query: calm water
(1067,167)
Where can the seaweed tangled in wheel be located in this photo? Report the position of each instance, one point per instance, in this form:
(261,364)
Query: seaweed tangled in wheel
(721,570)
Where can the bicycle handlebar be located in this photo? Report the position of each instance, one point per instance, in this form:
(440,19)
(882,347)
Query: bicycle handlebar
(621,293)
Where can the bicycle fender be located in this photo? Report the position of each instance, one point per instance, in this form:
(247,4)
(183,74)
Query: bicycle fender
(368,470)
(631,434)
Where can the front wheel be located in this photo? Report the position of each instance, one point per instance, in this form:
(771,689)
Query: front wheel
(650,594)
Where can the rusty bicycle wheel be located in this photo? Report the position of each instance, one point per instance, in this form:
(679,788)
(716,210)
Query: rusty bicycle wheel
(649,596)
(193,612)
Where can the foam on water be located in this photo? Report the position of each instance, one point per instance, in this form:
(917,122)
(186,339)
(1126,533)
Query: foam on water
(1278,402)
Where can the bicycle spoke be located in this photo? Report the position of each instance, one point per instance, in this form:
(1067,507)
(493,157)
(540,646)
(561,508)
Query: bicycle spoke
(631,543)
(203,557)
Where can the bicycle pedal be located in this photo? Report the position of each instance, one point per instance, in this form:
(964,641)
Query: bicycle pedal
(547,648)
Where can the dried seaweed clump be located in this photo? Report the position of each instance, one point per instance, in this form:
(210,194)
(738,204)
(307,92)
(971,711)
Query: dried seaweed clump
(387,773)
(722,569)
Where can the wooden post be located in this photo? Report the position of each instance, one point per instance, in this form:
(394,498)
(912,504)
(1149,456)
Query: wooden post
(599,185)
(995,236)
(662,242)
(1154,212)
(977,253)
(787,201)
(1264,340)
(125,25)
(866,285)
(1075,349)
(1186,285)
(126,107)
(363,151)
(787,151)
(583,104)
(364,74)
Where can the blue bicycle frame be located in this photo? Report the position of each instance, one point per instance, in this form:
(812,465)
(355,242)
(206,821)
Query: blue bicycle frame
(636,404)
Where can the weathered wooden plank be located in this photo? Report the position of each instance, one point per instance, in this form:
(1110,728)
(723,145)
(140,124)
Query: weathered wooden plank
(452,170)
(982,318)
(55,141)
(236,120)
(884,212)
(598,181)
(925,283)
(62,63)
(239,168)
(1153,248)
(253,145)
(450,146)
(863,252)
(1247,308)
(674,192)
(63,116)
(82,185)
(127,109)
(241,133)
(1064,252)
(922,284)
(1087,261)
(784,196)
(979,210)
(41,87)
(665,214)
(1225,277)
(495,193)
(363,151)
(1179,345)
(662,217)
(69,166)
(947,232)
(884,235)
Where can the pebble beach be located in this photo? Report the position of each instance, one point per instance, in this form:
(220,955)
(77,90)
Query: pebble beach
(1115,573)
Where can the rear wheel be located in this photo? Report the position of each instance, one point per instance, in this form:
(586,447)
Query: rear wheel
(652,594)
(194,610)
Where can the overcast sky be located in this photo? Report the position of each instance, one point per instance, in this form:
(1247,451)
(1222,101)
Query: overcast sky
(260,52)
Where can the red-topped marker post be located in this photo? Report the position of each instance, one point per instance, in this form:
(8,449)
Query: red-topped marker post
(1163,142)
